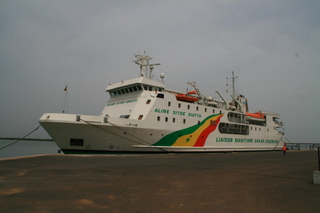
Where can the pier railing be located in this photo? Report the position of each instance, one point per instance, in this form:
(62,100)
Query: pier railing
(303,146)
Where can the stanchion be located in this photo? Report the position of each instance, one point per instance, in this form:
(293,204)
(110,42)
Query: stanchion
(319,158)
(316,174)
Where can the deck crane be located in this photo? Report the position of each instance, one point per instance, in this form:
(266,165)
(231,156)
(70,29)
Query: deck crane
(196,88)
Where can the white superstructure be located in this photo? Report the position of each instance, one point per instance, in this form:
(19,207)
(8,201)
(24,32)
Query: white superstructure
(143,116)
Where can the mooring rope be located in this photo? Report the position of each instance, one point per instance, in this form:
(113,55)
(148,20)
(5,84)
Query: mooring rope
(19,139)
(139,139)
(278,142)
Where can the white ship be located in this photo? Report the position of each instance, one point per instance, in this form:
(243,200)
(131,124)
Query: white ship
(142,115)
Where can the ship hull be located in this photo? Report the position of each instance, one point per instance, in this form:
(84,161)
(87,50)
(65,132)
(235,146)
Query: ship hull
(78,137)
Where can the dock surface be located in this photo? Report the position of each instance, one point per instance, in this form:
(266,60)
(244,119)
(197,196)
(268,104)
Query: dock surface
(213,182)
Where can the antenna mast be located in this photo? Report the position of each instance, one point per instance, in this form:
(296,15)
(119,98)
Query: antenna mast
(143,61)
(232,80)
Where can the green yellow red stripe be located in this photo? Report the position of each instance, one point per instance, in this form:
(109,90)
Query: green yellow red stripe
(194,136)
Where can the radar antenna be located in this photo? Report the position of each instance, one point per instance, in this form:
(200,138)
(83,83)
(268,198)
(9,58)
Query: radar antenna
(143,61)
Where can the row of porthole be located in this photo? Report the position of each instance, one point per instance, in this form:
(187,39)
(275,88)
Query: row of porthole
(179,106)
(256,129)
(173,120)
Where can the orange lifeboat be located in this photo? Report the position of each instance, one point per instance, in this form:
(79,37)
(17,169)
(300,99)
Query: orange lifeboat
(189,97)
(258,115)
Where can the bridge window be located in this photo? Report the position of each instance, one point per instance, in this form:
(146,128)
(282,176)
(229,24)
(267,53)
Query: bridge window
(160,95)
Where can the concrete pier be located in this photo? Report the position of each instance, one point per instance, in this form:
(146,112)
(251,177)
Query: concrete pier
(215,182)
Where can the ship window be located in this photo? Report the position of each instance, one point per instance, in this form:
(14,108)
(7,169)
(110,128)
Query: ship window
(205,109)
(160,90)
(188,106)
(197,108)
(158,118)
(148,101)
(227,128)
(140,117)
(169,103)
(160,95)
(213,111)
(127,90)
(130,89)
(173,120)
(184,120)
(139,87)
(124,116)
(166,119)
(179,105)
(235,117)
(76,142)
(135,88)
(145,87)
(122,91)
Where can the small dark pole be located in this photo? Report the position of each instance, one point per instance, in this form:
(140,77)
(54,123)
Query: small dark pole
(319,157)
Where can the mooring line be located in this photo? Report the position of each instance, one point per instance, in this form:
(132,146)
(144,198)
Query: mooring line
(139,139)
(20,138)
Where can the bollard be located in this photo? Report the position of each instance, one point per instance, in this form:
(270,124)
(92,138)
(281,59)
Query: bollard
(316,174)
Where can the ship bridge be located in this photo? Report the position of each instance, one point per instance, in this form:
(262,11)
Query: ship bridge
(134,85)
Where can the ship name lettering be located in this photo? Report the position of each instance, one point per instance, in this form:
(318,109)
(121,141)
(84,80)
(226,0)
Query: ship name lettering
(166,111)
(259,140)
(272,141)
(224,139)
(178,113)
(194,115)
(243,140)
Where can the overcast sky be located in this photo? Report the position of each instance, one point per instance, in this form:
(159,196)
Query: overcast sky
(273,46)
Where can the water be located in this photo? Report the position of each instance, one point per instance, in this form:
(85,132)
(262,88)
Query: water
(27,148)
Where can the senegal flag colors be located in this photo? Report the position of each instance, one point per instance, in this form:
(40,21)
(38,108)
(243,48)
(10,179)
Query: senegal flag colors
(194,136)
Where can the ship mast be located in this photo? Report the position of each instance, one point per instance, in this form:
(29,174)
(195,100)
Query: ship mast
(143,61)
(232,79)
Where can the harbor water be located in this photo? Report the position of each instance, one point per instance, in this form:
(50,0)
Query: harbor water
(27,148)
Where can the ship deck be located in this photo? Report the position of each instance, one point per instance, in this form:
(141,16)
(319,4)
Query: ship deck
(212,182)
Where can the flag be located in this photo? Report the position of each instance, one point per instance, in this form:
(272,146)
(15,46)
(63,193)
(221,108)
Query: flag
(66,88)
